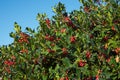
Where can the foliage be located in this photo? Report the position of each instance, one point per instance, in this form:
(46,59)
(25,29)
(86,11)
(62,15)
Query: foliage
(82,46)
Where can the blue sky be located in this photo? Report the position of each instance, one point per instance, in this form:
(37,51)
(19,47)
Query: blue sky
(24,12)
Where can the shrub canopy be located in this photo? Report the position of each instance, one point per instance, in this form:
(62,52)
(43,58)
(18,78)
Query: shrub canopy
(81,45)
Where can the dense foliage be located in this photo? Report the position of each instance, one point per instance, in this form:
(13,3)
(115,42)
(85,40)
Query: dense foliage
(81,45)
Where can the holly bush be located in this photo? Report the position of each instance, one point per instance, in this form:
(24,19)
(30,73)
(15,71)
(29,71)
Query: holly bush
(81,45)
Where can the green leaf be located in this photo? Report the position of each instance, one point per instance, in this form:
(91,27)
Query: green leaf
(59,8)
(17,28)
(66,62)
(81,1)
(54,10)
(5,78)
(12,35)
(41,17)
(30,30)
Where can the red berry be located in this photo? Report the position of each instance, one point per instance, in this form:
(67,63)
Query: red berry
(64,50)
(36,61)
(48,23)
(24,35)
(66,78)
(52,44)
(62,78)
(24,51)
(63,30)
(97,77)
(103,55)
(69,22)
(51,38)
(47,37)
(67,19)
(22,40)
(50,51)
(9,63)
(86,9)
(113,28)
(44,59)
(108,60)
(72,39)
(91,36)
(117,50)
(58,39)
(81,63)
(8,69)
(88,78)
(88,54)
(13,57)
(105,38)
(104,23)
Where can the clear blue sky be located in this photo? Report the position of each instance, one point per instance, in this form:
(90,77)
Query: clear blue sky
(24,12)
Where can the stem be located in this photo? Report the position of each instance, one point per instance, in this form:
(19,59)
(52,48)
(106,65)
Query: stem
(81,75)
